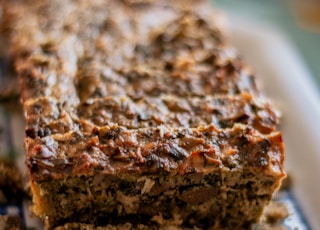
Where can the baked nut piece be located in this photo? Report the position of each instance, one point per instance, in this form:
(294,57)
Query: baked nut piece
(138,112)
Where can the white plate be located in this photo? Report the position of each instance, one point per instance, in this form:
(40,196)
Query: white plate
(286,80)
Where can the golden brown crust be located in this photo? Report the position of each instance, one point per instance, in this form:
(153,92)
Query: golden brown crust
(113,150)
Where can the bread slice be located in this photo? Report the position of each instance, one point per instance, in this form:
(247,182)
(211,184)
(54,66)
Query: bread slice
(139,112)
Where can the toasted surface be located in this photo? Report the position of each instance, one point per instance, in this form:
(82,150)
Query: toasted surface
(115,150)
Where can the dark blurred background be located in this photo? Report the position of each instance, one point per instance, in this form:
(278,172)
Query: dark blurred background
(298,20)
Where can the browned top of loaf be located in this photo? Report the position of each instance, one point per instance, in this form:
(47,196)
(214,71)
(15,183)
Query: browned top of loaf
(133,86)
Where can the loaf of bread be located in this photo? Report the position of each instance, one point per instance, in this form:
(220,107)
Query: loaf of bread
(139,113)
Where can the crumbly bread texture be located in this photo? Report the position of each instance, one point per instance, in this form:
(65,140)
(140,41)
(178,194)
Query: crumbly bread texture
(272,219)
(139,114)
